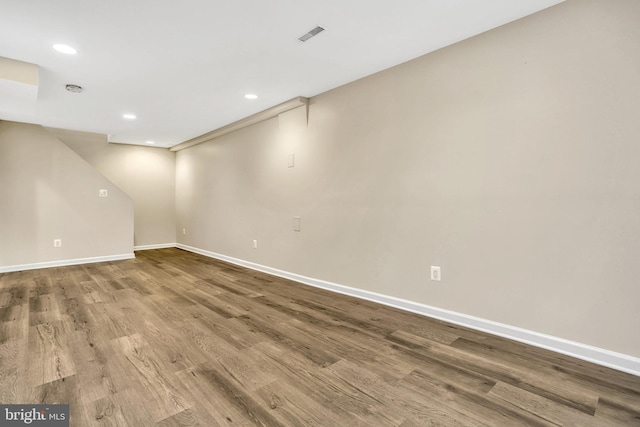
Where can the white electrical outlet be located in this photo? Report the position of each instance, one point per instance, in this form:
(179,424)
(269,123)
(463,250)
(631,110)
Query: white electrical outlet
(296,223)
(103,193)
(291,160)
(435,273)
(57,243)
(255,244)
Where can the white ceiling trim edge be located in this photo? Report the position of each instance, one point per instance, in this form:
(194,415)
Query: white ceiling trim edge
(242,123)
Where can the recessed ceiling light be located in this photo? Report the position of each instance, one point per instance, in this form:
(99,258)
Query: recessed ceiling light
(251,96)
(129,116)
(63,48)
(150,142)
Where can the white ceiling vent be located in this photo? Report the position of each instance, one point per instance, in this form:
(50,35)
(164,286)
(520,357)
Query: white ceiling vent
(317,30)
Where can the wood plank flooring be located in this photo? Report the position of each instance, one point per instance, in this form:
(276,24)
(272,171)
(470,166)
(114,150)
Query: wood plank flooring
(176,339)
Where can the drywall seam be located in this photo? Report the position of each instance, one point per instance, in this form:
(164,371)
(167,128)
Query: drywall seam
(65,262)
(610,359)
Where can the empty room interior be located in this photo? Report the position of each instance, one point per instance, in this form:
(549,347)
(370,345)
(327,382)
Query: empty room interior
(321,214)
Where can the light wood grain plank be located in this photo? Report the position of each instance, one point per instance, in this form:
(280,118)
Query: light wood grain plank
(163,394)
(544,408)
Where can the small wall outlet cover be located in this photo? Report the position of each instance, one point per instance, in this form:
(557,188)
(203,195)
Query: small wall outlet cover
(291,160)
(435,273)
(296,223)
(255,244)
(103,193)
(184,231)
(57,243)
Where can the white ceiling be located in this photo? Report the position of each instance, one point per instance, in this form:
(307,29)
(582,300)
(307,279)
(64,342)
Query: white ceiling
(184,67)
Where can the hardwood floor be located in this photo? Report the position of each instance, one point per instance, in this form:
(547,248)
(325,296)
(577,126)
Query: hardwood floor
(176,339)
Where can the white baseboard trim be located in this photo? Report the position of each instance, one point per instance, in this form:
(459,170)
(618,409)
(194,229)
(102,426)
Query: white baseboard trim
(65,262)
(610,359)
(159,246)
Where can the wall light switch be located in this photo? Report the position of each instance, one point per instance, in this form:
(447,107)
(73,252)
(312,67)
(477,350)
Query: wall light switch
(291,160)
(184,231)
(435,273)
(103,193)
(296,223)
(255,244)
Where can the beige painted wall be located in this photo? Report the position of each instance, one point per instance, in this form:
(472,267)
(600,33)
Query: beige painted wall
(19,71)
(146,174)
(48,192)
(510,160)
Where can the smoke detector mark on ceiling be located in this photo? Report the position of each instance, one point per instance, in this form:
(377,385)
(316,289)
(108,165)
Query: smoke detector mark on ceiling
(317,30)
(74,88)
